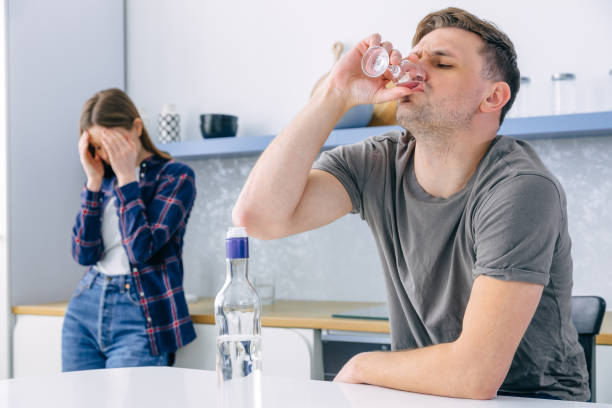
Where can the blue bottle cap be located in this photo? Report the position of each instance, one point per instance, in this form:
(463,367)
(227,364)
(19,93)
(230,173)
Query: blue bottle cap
(237,243)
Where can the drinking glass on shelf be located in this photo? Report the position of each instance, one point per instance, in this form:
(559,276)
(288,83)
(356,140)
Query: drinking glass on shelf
(376,61)
(264,284)
(564,93)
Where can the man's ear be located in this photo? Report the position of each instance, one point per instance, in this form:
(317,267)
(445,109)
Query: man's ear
(499,95)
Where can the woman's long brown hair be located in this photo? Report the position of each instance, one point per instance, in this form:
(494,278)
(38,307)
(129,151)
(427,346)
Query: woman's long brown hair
(114,108)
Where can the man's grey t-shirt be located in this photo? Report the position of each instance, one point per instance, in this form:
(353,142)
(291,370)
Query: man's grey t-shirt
(509,222)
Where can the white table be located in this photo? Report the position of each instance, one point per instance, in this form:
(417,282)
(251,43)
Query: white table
(166,387)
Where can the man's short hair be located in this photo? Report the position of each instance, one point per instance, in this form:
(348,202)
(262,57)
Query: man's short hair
(498,51)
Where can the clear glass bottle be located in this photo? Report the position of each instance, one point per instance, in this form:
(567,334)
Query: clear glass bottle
(564,93)
(238,325)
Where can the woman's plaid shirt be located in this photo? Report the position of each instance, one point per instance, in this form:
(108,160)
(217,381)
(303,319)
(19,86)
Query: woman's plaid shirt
(152,214)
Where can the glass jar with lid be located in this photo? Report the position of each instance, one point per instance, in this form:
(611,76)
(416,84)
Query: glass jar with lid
(521,107)
(564,93)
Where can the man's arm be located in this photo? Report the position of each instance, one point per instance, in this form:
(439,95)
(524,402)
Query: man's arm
(473,366)
(282,195)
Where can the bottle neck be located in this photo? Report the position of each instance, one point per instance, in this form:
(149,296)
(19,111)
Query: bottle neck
(237,269)
(237,254)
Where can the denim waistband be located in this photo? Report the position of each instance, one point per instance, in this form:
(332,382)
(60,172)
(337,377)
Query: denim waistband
(95,277)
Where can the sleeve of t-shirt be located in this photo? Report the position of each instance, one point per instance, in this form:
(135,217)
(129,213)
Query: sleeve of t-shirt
(516,230)
(351,165)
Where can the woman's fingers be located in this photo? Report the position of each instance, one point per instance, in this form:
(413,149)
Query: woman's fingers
(121,153)
(108,145)
(114,141)
(92,165)
(84,153)
(120,142)
(117,138)
(95,159)
(129,144)
(84,139)
(83,142)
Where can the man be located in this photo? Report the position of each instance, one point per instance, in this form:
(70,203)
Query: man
(470,226)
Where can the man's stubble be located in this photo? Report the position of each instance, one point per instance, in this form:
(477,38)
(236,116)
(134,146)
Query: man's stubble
(435,123)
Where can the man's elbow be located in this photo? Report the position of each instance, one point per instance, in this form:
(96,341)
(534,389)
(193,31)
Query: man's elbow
(479,376)
(255,226)
(482,381)
(483,390)
(239,217)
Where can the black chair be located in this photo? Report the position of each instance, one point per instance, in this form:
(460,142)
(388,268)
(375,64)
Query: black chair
(587,315)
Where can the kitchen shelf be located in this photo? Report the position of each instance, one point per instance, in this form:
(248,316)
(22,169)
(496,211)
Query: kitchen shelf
(536,127)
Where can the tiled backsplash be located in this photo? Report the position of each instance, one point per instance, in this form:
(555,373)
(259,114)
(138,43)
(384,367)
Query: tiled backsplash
(340,261)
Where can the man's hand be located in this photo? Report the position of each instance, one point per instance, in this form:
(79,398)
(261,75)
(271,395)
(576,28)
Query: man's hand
(283,195)
(356,88)
(122,154)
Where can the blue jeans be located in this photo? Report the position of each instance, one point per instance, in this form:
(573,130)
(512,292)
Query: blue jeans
(105,327)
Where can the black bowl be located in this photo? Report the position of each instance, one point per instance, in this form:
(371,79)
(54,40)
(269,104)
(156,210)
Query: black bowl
(218,125)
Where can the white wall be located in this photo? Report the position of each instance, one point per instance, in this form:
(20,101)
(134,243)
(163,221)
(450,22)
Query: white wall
(59,54)
(5,315)
(260,59)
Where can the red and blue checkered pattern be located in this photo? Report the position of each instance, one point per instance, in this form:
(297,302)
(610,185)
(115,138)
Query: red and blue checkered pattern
(153,214)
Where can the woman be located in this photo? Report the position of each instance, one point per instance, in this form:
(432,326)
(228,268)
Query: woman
(129,309)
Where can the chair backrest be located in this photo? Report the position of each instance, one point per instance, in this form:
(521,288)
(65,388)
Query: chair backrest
(587,315)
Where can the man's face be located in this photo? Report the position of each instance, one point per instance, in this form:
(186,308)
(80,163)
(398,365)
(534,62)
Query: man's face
(454,87)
